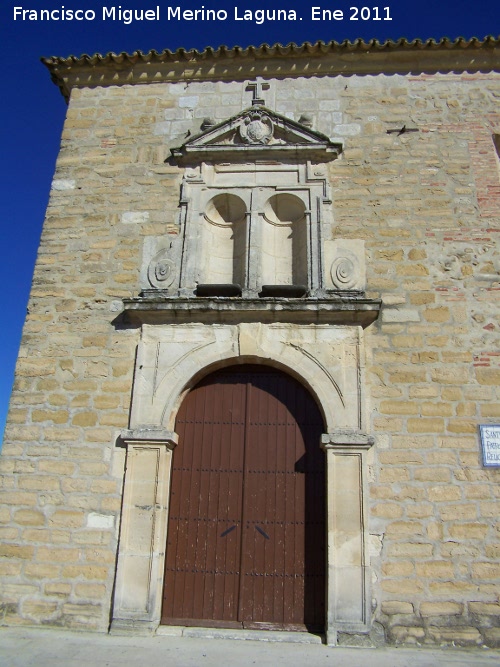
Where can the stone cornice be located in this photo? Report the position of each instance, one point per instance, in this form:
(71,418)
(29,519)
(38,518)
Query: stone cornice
(149,435)
(277,61)
(294,141)
(339,310)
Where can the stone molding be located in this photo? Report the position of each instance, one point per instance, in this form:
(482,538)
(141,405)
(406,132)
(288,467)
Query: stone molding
(343,438)
(149,435)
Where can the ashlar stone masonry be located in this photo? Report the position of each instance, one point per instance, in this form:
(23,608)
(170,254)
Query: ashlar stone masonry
(331,211)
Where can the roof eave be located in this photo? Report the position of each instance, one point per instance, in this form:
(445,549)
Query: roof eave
(320,59)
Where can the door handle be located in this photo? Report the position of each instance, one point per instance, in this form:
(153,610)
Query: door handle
(262,532)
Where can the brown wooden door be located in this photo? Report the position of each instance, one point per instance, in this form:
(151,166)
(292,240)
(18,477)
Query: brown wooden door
(246,533)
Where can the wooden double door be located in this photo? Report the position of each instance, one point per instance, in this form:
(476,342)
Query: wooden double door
(246,532)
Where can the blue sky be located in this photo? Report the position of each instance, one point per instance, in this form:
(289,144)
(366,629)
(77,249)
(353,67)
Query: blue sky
(32,111)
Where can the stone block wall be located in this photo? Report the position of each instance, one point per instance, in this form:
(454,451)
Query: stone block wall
(426,205)
(427,212)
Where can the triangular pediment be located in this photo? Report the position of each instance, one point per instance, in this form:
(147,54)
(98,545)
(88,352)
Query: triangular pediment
(258,131)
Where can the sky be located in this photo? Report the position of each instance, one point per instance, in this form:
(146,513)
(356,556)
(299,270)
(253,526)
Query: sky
(32,109)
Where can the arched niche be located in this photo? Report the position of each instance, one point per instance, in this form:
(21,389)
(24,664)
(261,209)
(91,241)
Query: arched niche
(224,240)
(284,241)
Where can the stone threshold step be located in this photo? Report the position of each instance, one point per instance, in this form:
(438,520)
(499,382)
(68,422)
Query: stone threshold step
(253,635)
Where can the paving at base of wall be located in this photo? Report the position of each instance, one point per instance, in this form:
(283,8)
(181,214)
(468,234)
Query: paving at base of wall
(27,647)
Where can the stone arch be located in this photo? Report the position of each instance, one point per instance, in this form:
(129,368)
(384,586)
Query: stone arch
(242,360)
(292,359)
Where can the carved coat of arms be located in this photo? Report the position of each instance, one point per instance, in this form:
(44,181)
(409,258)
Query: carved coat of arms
(256,128)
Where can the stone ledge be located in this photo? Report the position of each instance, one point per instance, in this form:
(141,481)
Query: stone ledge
(342,310)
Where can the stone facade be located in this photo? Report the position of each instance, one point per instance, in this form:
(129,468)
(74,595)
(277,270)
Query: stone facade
(412,201)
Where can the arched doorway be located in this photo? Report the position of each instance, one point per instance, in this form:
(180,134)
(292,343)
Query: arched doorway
(246,530)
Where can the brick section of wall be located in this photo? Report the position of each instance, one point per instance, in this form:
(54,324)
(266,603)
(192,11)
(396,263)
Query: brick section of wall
(485,165)
(426,203)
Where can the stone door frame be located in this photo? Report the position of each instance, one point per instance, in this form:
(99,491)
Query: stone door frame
(142,544)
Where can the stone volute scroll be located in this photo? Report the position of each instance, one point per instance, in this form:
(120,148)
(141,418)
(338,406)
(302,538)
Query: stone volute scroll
(343,272)
(162,270)
(345,265)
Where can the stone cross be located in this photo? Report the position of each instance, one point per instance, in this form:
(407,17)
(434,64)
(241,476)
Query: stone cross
(257,87)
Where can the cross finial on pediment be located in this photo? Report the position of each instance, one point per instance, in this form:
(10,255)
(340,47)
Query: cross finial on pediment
(257,87)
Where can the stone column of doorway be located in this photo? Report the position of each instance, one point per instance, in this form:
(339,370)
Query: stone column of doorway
(141,550)
(347,594)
